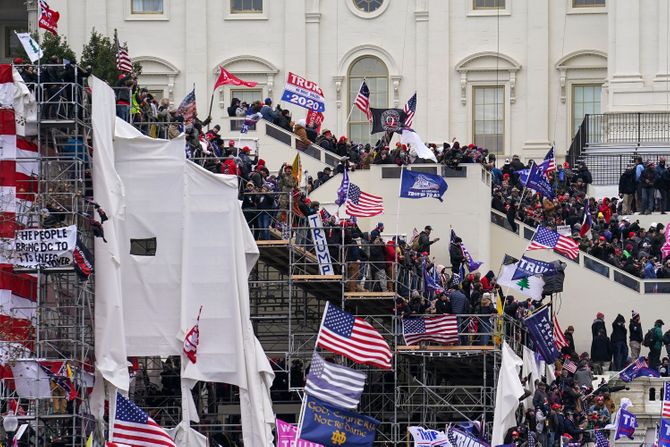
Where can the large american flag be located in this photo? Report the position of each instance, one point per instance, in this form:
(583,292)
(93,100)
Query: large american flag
(123,62)
(410,110)
(362,100)
(353,337)
(187,108)
(546,238)
(442,329)
(133,426)
(665,410)
(335,384)
(362,204)
(559,337)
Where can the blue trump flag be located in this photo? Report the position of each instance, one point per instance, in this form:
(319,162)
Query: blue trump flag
(638,368)
(626,424)
(541,332)
(664,433)
(538,182)
(417,185)
(334,427)
(530,267)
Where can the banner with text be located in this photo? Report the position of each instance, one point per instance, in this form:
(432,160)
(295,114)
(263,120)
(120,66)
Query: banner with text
(320,245)
(314,120)
(286,434)
(303,93)
(44,248)
(334,427)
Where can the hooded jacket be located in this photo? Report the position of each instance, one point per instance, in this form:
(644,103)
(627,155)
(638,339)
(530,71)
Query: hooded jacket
(619,331)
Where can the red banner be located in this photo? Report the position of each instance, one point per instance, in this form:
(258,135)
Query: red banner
(48,18)
(314,120)
(225,77)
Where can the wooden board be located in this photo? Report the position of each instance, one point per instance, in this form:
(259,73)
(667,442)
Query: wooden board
(272,243)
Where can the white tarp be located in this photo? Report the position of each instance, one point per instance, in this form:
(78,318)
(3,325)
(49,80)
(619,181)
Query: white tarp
(204,252)
(508,392)
(30,380)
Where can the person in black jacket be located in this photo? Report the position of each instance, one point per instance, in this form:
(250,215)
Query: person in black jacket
(619,346)
(456,255)
(662,184)
(627,189)
(635,335)
(647,181)
(598,325)
(601,352)
(424,240)
(234,104)
(571,340)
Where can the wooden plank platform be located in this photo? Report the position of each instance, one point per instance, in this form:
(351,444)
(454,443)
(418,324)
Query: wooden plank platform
(446,348)
(355,296)
(272,243)
(316,277)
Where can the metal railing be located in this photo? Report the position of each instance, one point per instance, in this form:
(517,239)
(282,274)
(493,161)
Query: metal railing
(609,271)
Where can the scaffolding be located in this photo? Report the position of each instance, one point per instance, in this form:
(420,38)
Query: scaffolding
(61,337)
(428,385)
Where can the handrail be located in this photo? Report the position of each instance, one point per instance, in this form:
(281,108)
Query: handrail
(609,271)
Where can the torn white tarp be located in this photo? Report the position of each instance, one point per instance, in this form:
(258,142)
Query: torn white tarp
(508,392)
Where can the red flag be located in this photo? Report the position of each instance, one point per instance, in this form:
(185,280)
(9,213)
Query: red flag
(192,339)
(48,18)
(226,77)
(314,120)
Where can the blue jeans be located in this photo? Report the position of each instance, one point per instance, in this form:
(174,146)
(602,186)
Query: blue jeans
(123,112)
(485,331)
(648,199)
(264,224)
(620,354)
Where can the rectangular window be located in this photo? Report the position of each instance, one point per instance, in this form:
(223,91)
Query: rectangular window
(247,95)
(488,4)
(588,3)
(147,6)
(143,247)
(585,100)
(246,6)
(489,117)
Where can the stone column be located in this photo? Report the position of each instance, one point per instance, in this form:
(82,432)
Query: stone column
(421,77)
(313,40)
(624,34)
(196,67)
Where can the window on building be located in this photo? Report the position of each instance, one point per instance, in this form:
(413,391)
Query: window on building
(376,76)
(488,4)
(147,6)
(585,100)
(489,117)
(368,5)
(143,247)
(247,95)
(588,3)
(246,6)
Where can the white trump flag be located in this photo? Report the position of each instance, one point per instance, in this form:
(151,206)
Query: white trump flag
(33,50)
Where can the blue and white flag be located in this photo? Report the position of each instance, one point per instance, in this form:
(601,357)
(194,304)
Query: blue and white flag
(538,181)
(548,165)
(343,190)
(335,384)
(530,267)
(626,424)
(664,433)
(638,368)
(472,264)
(335,427)
(541,332)
(430,283)
(417,185)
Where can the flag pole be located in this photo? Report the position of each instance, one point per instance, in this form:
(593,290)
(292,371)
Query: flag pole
(397,216)
(353,105)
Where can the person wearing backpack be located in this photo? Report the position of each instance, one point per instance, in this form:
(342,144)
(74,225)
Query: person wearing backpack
(654,341)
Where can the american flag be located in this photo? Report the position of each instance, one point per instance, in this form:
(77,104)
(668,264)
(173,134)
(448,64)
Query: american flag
(123,62)
(451,437)
(192,339)
(559,337)
(187,107)
(362,204)
(587,220)
(601,439)
(546,238)
(353,337)
(665,410)
(335,384)
(570,366)
(134,426)
(550,161)
(410,110)
(442,329)
(362,100)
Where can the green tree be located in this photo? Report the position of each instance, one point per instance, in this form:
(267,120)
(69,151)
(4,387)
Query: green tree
(523,283)
(55,45)
(100,54)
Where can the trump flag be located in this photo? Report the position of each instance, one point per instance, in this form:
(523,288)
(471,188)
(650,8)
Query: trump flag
(417,185)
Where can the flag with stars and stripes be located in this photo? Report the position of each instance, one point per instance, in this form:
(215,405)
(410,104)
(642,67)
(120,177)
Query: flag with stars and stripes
(570,366)
(549,162)
(335,384)
(362,204)
(353,337)
(410,110)
(187,108)
(545,238)
(123,62)
(665,409)
(133,426)
(559,336)
(441,328)
(601,439)
(362,100)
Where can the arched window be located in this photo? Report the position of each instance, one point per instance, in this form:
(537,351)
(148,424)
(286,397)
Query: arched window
(376,76)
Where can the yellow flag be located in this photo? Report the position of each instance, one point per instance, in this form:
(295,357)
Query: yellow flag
(297,169)
(89,441)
